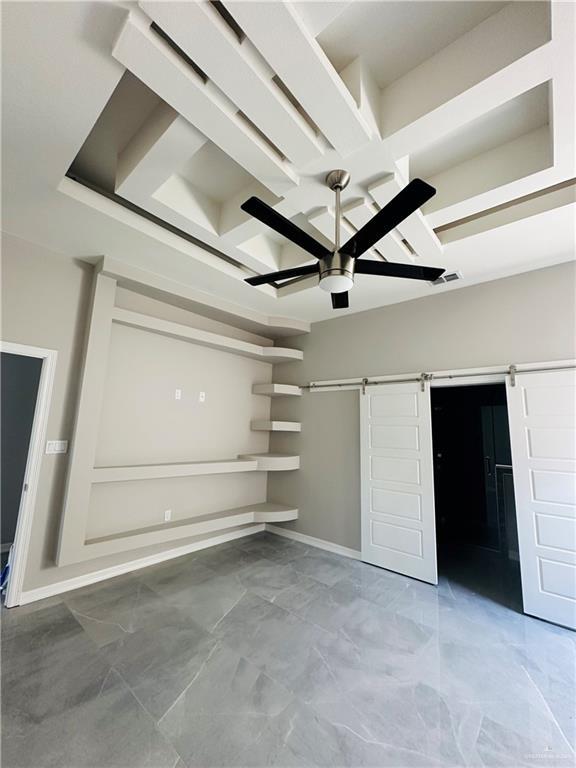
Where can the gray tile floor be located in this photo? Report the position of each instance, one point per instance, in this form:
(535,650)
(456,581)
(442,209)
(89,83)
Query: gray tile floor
(263,652)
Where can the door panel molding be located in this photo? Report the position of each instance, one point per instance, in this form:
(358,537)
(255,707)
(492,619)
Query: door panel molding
(544,404)
(398,519)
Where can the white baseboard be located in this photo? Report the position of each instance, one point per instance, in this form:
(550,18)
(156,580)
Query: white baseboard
(59,587)
(312,541)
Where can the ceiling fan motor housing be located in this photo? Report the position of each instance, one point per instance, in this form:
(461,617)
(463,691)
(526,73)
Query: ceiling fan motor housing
(336,272)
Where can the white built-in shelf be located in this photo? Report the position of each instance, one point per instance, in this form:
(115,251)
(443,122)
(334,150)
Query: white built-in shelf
(261,425)
(183,469)
(274,462)
(265,512)
(277,390)
(205,338)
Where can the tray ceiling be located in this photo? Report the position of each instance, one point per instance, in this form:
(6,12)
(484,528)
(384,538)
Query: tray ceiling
(183,110)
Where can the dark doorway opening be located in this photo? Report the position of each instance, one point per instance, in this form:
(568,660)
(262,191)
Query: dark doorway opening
(19,381)
(476,531)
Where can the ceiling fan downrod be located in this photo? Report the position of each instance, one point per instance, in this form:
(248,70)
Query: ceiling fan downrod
(337,269)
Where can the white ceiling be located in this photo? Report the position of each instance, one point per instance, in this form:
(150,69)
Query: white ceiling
(487,118)
(395,37)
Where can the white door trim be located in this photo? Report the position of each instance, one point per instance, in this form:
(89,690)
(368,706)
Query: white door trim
(21,545)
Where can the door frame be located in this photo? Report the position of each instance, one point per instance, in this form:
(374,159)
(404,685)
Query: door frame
(27,506)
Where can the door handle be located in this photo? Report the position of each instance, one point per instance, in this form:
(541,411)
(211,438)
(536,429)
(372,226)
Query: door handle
(488,465)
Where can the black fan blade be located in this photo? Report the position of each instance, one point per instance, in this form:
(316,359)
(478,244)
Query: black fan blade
(340,300)
(414,194)
(272,277)
(391,269)
(267,215)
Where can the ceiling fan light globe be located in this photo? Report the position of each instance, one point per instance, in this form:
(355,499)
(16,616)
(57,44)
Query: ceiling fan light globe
(336,283)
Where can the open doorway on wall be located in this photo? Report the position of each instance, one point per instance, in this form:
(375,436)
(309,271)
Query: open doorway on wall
(19,383)
(26,380)
(476,531)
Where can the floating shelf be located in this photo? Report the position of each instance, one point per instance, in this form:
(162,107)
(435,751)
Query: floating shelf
(205,338)
(183,469)
(274,462)
(195,526)
(261,425)
(277,390)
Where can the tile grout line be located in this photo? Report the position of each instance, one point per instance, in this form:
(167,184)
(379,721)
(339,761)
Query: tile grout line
(216,645)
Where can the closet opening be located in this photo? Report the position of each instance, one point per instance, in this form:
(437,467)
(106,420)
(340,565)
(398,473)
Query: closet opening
(20,381)
(476,532)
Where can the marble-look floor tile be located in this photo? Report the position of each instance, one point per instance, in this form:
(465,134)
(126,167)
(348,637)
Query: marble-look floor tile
(223,710)
(108,730)
(205,596)
(324,567)
(264,652)
(125,609)
(278,642)
(229,560)
(269,579)
(158,663)
(276,548)
(50,667)
(552,670)
(299,736)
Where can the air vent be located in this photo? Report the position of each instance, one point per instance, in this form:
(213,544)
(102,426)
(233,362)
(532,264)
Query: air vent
(447,277)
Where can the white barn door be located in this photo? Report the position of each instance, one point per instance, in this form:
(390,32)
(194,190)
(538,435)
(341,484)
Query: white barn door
(542,414)
(398,523)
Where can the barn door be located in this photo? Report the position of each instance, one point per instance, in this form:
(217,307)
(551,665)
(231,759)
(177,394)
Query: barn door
(398,524)
(542,414)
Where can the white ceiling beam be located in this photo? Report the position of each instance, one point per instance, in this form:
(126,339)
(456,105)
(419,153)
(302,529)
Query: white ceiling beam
(390,246)
(561,196)
(280,35)
(415,229)
(365,92)
(154,62)
(148,174)
(239,71)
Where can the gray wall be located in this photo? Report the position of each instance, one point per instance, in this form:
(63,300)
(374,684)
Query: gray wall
(525,318)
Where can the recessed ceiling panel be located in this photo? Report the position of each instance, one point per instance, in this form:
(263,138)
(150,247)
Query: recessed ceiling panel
(394,37)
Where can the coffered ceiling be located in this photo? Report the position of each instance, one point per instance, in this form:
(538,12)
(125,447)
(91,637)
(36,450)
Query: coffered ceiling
(137,130)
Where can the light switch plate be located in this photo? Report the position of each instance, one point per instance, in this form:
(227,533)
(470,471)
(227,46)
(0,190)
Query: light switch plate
(202,397)
(178,394)
(57,446)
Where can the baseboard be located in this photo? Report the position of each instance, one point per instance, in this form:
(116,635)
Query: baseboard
(59,587)
(312,541)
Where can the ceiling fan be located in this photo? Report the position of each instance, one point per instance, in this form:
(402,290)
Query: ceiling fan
(336,268)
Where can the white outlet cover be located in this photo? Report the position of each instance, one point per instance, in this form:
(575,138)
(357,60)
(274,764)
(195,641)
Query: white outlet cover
(57,446)
(202,397)
(167,515)
(178,394)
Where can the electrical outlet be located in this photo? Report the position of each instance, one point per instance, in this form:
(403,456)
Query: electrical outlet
(202,397)
(178,394)
(167,515)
